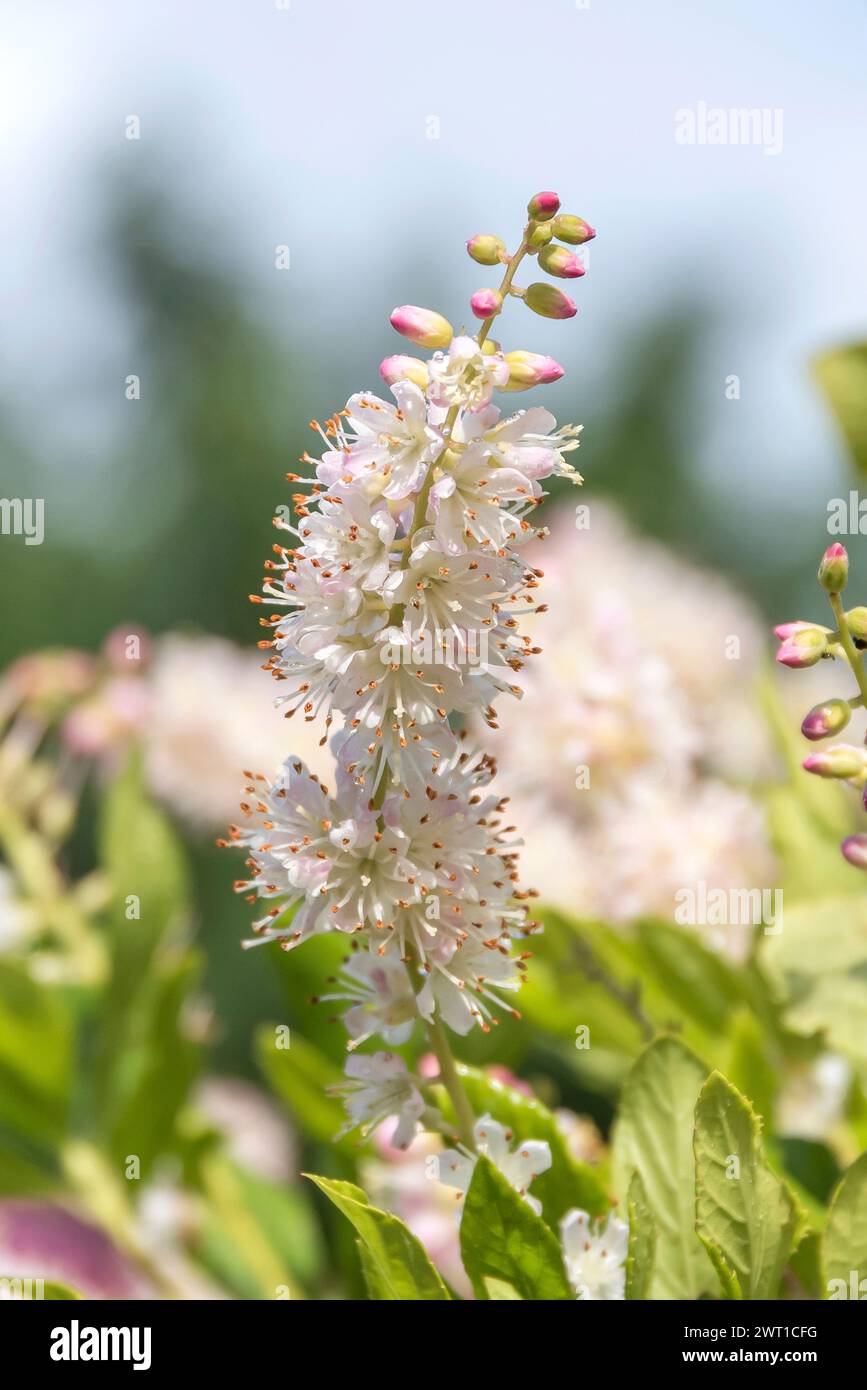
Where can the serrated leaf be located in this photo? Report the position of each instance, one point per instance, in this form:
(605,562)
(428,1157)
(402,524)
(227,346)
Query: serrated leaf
(397,1260)
(844,1242)
(728,1280)
(503,1238)
(653,1136)
(750,1217)
(568,1182)
(642,1241)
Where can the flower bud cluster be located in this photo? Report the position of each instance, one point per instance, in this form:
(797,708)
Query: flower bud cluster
(805,644)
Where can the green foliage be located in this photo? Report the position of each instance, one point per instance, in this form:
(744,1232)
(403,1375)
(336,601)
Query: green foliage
(744,1214)
(394,1261)
(844,1242)
(502,1238)
(842,375)
(642,1241)
(653,1137)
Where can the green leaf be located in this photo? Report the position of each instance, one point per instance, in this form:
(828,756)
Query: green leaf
(397,1261)
(836,1007)
(842,375)
(503,1238)
(748,1065)
(700,983)
(749,1218)
(642,1241)
(300,1076)
(844,1243)
(728,1280)
(568,1182)
(653,1136)
(36,1055)
(500,1292)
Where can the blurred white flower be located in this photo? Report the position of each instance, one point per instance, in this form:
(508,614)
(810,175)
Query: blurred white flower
(812,1098)
(211,717)
(616,758)
(256,1134)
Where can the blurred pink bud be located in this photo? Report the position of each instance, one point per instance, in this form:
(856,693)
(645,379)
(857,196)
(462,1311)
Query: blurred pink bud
(843,760)
(423,326)
(528,369)
(825,719)
(802,644)
(834,569)
(543,206)
(550,302)
(854,849)
(573,229)
(402,368)
(556,260)
(486,250)
(486,303)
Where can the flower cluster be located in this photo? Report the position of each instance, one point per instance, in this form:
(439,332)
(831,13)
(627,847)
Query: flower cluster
(804,644)
(398,601)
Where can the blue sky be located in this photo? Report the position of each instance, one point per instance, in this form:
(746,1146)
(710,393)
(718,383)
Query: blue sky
(309,125)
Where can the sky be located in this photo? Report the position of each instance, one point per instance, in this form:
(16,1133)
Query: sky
(373,138)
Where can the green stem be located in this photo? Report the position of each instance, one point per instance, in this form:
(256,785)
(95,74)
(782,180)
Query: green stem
(452,1082)
(853,656)
(439,1040)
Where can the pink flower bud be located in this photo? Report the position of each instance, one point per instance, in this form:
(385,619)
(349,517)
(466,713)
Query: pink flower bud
(828,718)
(573,229)
(528,369)
(543,206)
(844,760)
(486,303)
(556,260)
(487,250)
(423,326)
(550,302)
(854,848)
(802,644)
(402,368)
(834,569)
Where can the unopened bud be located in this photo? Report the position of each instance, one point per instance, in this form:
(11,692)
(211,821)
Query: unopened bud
(825,719)
(528,369)
(550,302)
(487,250)
(573,229)
(856,621)
(486,303)
(401,368)
(423,326)
(490,347)
(854,848)
(558,261)
(543,206)
(834,569)
(844,761)
(801,644)
(541,234)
